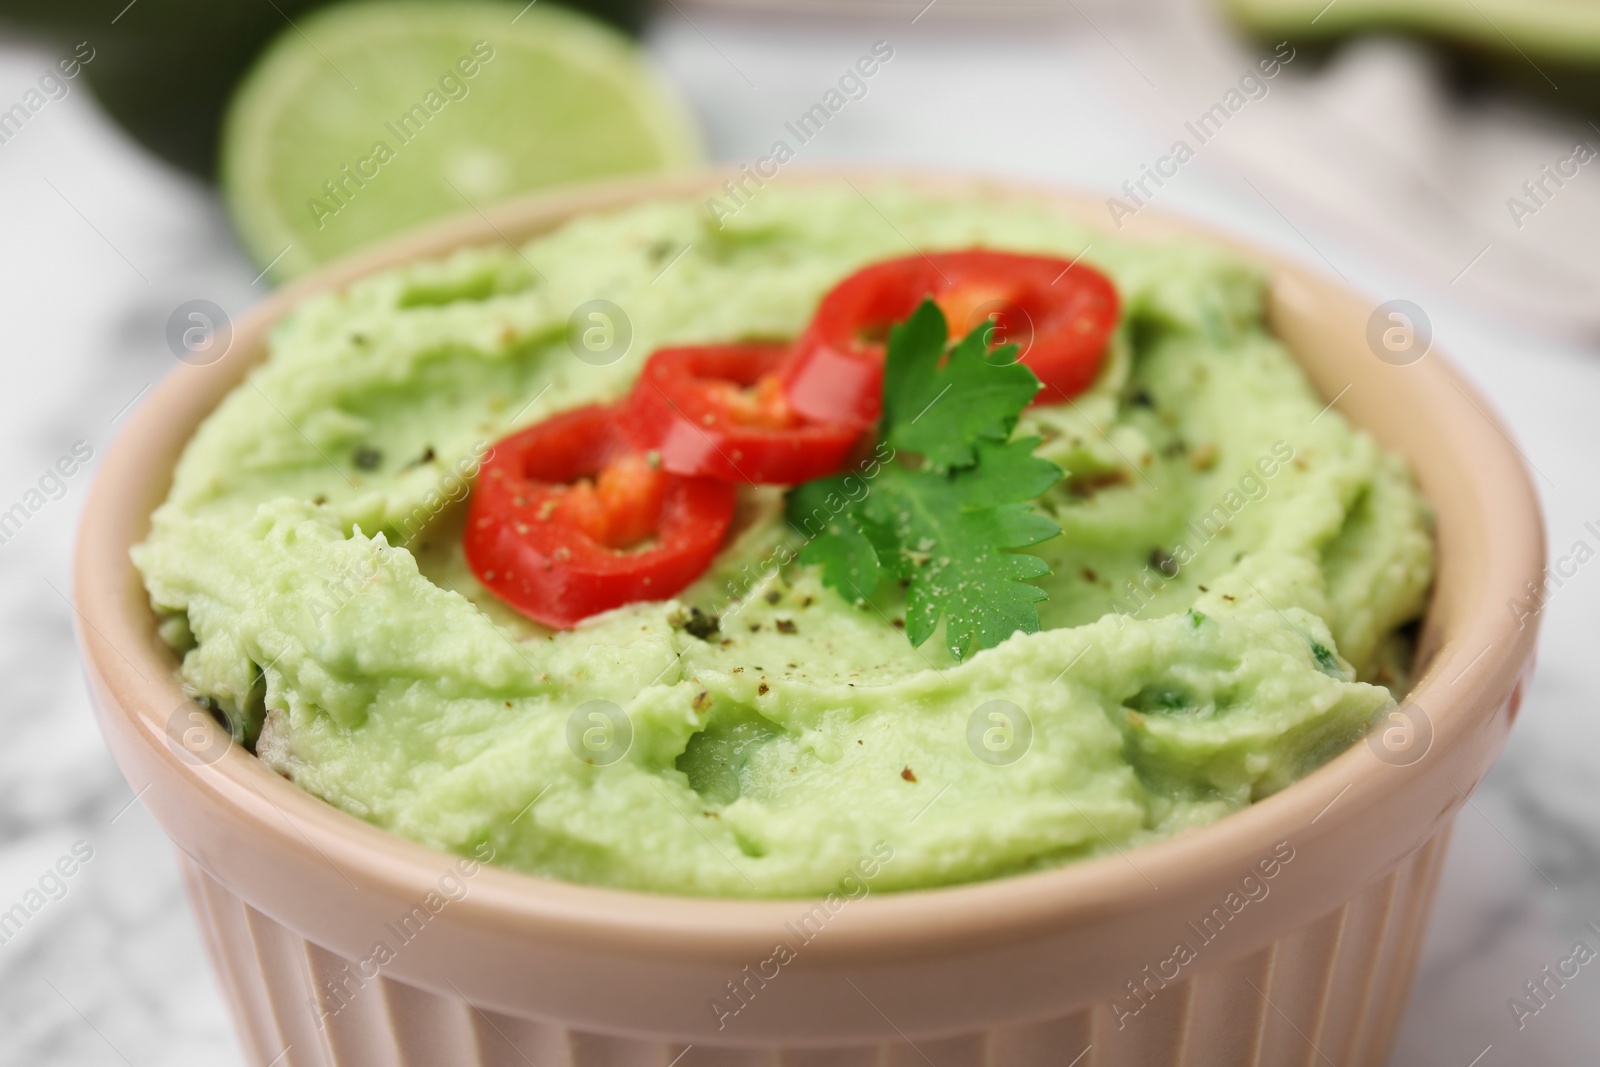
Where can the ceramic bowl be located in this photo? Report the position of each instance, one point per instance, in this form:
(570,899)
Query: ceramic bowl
(1077,966)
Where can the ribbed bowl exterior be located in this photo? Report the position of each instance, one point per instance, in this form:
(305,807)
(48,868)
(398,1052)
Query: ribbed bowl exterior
(1328,993)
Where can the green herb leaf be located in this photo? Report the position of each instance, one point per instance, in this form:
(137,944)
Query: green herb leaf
(948,526)
(952,532)
(939,407)
(823,510)
(1327,662)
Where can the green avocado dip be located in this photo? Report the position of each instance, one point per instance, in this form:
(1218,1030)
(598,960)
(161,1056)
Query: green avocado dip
(1229,603)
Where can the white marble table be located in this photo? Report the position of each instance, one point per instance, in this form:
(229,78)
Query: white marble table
(98,243)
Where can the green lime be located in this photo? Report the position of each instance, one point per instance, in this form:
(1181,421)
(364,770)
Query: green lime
(371,117)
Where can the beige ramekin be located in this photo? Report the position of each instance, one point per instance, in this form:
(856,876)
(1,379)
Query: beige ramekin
(1076,966)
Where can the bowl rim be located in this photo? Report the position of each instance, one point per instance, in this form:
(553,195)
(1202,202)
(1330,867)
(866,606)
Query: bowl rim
(125,661)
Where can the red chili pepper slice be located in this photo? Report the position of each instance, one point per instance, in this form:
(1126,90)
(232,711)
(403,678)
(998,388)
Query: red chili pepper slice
(568,519)
(1060,314)
(718,411)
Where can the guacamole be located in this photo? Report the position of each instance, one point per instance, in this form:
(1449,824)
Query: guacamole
(1228,604)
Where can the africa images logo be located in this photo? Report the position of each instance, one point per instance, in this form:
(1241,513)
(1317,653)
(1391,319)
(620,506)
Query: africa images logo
(1254,887)
(341,189)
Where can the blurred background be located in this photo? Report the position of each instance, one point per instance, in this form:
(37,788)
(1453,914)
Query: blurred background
(155,159)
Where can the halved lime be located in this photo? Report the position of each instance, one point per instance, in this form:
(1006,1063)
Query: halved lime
(371,117)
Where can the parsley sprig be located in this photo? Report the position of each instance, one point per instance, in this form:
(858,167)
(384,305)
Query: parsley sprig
(947,519)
